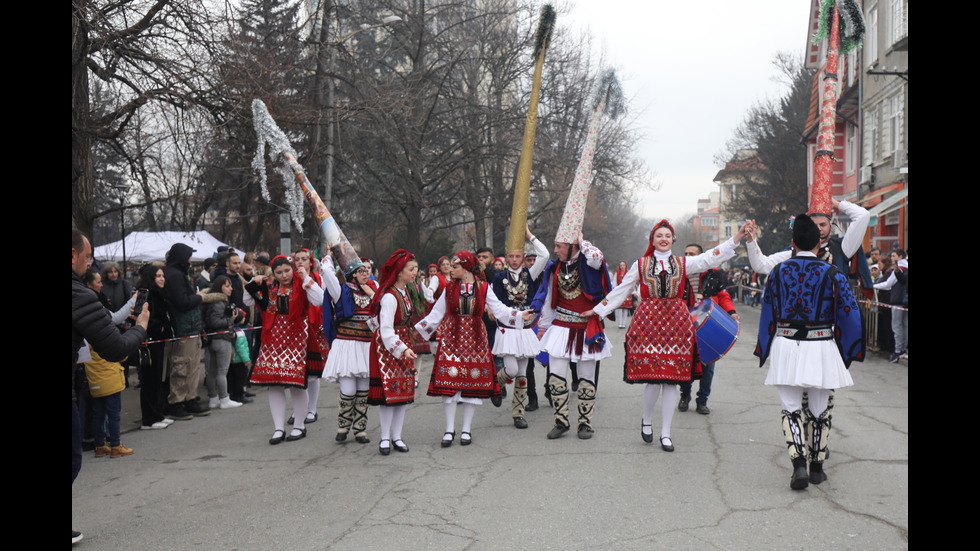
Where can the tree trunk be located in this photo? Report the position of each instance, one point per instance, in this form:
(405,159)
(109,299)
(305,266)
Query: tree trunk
(82,170)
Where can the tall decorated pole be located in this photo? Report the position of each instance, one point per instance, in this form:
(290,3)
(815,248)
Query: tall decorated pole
(606,98)
(834,16)
(522,187)
(273,140)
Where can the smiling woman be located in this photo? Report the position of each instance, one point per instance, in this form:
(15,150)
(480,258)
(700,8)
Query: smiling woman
(661,350)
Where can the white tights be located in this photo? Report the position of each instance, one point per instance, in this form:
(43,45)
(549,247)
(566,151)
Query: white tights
(277,405)
(514,366)
(450,410)
(350,385)
(650,395)
(392,419)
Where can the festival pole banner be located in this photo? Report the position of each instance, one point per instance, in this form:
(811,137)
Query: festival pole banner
(606,98)
(835,15)
(273,139)
(522,187)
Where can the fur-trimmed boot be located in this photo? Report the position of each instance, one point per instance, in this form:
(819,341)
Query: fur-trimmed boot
(360,419)
(519,402)
(586,404)
(558,387)
(345,416)
(793,432)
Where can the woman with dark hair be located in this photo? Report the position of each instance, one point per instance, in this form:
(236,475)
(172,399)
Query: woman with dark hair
(220,318)
(348,362)
(661,348)
(392,384)
(154,388)
(464,369)
(281,364)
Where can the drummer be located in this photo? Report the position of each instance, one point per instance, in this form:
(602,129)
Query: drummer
(661,349)
(710,284)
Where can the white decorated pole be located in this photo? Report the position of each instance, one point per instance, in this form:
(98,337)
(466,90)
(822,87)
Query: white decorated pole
(274,141)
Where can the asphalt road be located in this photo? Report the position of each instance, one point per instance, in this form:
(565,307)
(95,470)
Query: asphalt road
(216,483)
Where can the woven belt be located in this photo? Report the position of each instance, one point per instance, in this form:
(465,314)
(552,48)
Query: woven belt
(568,316)
(804,333)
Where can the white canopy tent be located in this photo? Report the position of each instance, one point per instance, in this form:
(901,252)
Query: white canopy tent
(151,246)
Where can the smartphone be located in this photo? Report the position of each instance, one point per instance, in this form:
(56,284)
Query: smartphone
(140,301)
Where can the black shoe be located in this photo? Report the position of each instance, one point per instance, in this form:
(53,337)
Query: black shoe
(243,399)
(362,439)
(313,418)
(800,479)
(465,438)
(497,400)
(648,438)
(385,450)
(277,439)
(816,473)
(585,432)
(520,423)
(248,395)
(532,402)
(446,443)
(666,444)
(197,408)
(75,537)
(178,412)
(400,446)
(503,391)
(557,431)
(88,445)
(684,402)
(341,436)
(294,437)
(291,420)
(703,409)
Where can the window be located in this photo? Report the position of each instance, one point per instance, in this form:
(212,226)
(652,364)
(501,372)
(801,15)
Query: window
(871,38)
(850,149)
(894,116)
(897,21)
(871,135)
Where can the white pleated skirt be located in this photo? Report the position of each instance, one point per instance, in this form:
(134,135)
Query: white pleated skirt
(347,358)
(811,364)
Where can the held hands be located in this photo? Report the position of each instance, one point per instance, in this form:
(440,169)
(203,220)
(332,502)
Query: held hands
(409,354)
(527,315)
(588,313)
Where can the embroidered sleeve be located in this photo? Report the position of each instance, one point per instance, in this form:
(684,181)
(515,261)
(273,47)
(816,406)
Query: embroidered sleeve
(620,293)
(386,319)
(428,325)
(502,313)
(593,256)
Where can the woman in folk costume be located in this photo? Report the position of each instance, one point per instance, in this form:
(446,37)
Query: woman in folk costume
(285,305)
(621,312)
(349,360)
(661,349)
(464,370)
(392,383)
(317,345)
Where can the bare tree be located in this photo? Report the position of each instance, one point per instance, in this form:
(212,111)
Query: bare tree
(142,52)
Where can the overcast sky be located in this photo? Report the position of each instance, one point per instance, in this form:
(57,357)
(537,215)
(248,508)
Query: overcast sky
(691,69)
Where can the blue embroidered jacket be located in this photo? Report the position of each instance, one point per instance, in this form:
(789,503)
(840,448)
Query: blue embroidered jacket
(809,293)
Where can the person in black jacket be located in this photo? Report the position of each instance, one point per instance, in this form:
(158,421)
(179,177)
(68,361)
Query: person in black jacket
(183,356)
(91,322)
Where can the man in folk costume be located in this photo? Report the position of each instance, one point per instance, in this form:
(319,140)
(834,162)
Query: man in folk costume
(811,327)
(575,282)
(842,24)
(515,287)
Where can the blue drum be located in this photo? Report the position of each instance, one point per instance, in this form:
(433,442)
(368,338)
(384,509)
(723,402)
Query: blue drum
(715,329)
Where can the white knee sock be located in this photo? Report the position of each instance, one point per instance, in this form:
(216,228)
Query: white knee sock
(468,411)
(277,405)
